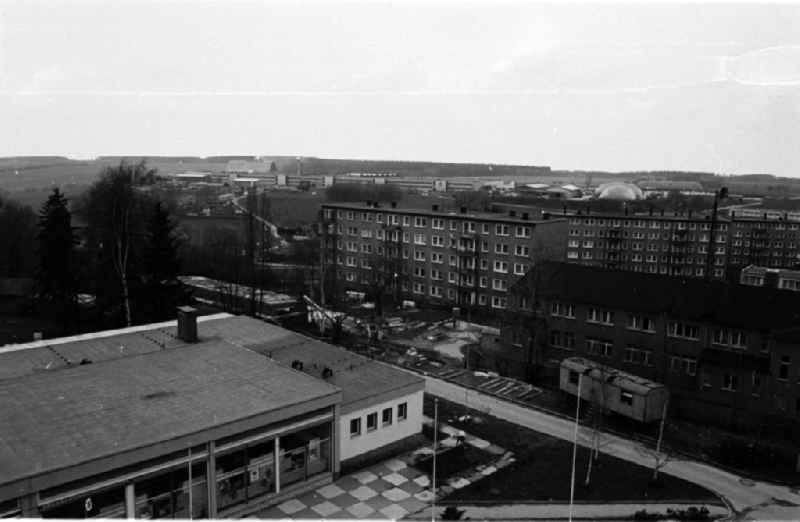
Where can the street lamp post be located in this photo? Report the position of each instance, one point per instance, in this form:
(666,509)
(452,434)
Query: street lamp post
(575,444)
(435,443)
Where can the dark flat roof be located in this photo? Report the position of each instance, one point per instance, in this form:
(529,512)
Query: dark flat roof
(449,214)
(58,419)
(691,299)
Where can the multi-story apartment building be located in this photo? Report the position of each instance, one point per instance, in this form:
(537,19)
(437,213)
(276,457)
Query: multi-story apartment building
(682,245)
(656,244)
(764,241)
(727,352)
(461,258)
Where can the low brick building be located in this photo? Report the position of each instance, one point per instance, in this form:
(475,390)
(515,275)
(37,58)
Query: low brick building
(728,352)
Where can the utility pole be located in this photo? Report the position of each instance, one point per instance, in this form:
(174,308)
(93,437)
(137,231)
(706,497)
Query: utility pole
(660,438)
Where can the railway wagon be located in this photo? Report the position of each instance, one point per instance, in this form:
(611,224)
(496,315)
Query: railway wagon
(623,393)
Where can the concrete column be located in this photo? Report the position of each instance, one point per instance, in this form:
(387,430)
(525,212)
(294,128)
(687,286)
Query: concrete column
(277,465)
(336,434)
(211,481)
(130,501)
(29,505)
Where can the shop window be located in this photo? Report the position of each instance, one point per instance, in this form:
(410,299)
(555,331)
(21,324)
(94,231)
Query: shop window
(109,503)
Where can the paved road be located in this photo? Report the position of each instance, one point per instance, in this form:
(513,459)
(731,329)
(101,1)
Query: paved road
(750,501)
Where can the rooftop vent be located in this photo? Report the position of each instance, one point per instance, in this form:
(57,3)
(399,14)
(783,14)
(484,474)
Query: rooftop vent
(187,324)
(297,365)
(327,373)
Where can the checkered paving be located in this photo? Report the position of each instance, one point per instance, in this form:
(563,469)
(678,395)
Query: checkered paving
(390,490)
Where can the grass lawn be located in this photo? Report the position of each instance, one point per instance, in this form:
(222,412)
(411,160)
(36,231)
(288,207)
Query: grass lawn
(542,470)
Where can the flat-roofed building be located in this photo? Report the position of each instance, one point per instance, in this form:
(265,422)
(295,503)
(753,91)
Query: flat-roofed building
(442,258)
(164,420)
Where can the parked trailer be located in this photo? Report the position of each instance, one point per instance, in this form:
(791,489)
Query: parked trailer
(620,392)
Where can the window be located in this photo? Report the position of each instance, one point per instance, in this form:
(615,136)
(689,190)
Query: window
(419,288)
(574,377)
(599,347)
(563,310)
(687,365)
(437,241)
(501,248)
(436,291)
(499,284)
(419,271)
(419,255)
(626,397)
(783,369)
(756,381)
(499,302)
(372,421)
(729,337)
(636,355)
(563,340)
(419,239)
(501,267)
(402,411)
(437,223)
(437,257)
(420,221)
(730,382)
(519,268)
(522,231)
(501,230)
(355,427)
(641,322)
(683,330)
(484,228)
(386,416)
(596,315)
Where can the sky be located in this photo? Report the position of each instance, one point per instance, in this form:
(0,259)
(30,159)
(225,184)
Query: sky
(707,87)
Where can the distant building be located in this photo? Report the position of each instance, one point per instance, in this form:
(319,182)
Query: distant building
(215,418)
(782,279)
(618,190)
(662,188)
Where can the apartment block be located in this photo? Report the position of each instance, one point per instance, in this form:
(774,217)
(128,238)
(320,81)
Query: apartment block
(461,258)
(655,244)
(727,352)
(767,242)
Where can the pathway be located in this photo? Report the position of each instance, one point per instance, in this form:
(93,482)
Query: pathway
(750,500)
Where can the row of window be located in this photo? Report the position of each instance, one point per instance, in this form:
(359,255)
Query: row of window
(644,223)
(436,223)
(372,419)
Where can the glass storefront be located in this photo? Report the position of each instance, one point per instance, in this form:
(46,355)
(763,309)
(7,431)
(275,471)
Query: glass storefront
(304,454)
(167,495)
(109,503)
(245,473)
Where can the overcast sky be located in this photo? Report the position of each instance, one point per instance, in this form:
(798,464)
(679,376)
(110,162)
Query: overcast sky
(615,87)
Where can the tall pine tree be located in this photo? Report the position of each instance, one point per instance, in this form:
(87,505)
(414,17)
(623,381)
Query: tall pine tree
(57,286)
(162,289)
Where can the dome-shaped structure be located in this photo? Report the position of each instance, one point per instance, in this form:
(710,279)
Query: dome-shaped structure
(619,190)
